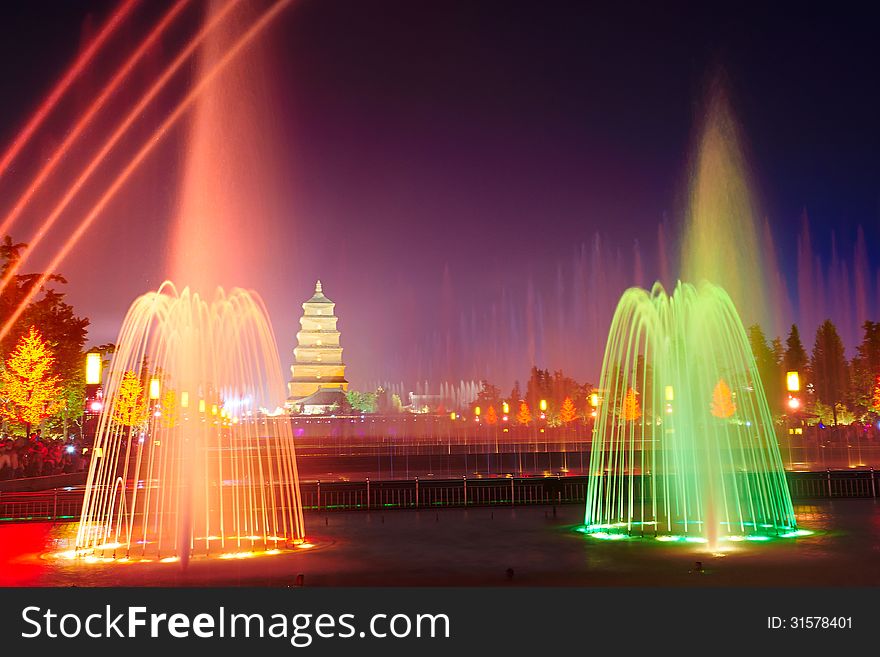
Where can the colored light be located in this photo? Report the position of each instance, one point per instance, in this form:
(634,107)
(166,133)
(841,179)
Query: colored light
(543,405)
(793,381)
(656,353)
(594,399)
(477,411)
(93,368)
(184,399)
(505,408)
(794,403)
(154,388)
(96,406)
(202,406)
(452,416)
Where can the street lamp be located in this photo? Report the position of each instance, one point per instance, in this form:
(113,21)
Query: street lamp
(93,403)
(154,388)
(793,384)
(93,368)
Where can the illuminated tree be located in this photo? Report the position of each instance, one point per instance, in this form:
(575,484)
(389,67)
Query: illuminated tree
(170,410)
(875,396)
(722,400)
(130,407)
(491,416)
(632,411)
(524,416)
(568,412)
(866,366)
(31,389)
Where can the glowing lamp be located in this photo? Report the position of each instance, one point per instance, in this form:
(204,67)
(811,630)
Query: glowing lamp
(505,408)
(543,404)
(452,416)
(594,399)
(93,368)
(477,411)
(213,409)
(794,403)
(201,406)
(184,399)
(793,381)
(670,393)
(96,406)
(154,388)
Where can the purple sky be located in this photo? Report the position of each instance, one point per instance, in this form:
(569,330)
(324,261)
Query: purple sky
(445,167)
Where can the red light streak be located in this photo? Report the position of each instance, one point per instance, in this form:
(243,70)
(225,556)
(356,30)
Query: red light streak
(86,118)
(145,150)
(64,83)
(120,131)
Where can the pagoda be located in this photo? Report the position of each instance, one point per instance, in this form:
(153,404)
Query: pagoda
(318,366)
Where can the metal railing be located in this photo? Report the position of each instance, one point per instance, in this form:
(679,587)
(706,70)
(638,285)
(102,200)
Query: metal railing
(63,504)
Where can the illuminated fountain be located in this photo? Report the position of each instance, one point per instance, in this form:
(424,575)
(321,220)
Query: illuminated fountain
(186,462)
(684,446)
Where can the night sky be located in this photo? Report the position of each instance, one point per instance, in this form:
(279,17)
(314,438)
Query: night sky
(445,168)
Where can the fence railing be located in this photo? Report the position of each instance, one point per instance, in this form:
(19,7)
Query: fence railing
(64,504)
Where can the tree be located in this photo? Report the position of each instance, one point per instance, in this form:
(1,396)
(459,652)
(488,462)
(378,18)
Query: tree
(516,393)
(768,362)
(170,409)
(722,405)
(829,367)
(365,402)
(130,406)
(866,366)
(489,395)
(524,416)
(491,416)
(568,412)
(631,411)
(64,332)
(795,359)
(31,388)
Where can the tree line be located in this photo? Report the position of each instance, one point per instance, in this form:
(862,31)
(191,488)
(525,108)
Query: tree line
(834,389)
(42,379)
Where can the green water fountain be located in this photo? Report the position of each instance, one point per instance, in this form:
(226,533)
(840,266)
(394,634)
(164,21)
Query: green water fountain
(684,447)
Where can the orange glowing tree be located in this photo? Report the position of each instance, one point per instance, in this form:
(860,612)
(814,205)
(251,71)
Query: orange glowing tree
(632,411)
(568,412)
(525,415)
(131,406)
(722,405)
(491,416)
(31,389)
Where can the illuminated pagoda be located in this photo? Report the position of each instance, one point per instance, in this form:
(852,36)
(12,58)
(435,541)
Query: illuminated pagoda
(318,382)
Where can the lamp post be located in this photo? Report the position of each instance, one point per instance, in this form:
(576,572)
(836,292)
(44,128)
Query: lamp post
(94,394)
(793,385)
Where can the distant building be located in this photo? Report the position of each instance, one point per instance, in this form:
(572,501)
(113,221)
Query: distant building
(318,381)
